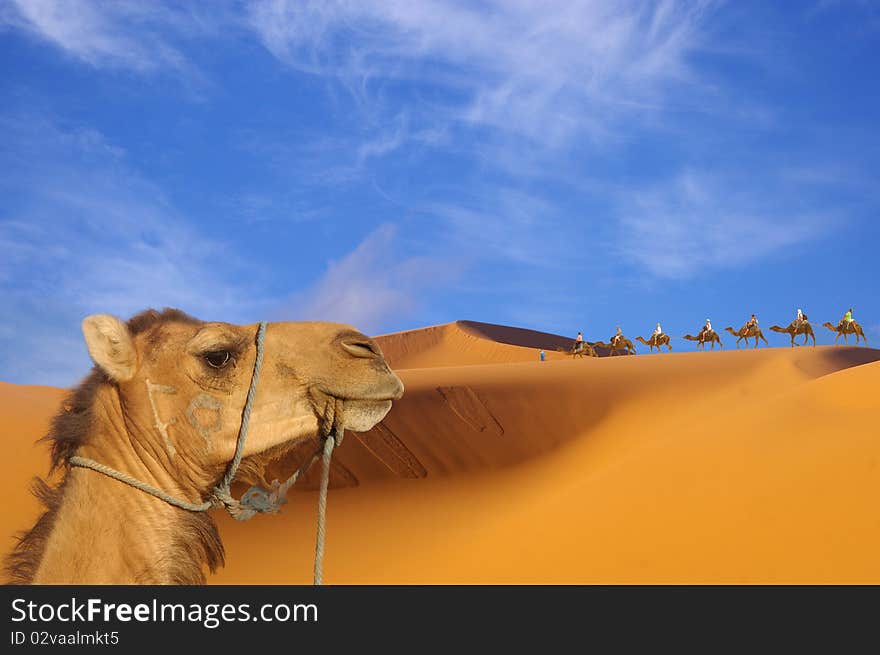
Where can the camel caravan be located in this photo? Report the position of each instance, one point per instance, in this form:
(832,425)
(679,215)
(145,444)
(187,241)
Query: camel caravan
(800,326)
(173,412)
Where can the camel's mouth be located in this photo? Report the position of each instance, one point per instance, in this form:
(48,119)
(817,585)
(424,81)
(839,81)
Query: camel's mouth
(364,409)
(278,461)
(389,388)
(362,415)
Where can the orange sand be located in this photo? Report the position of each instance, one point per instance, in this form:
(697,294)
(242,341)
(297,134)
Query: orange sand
(715,467)
(467,342)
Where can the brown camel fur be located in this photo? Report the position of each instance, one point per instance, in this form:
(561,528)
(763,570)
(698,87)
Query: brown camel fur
(586,350)
(164,405)
(842,330)
(624,346)
(805,329)
(704,337)
(747,332)
(656,341)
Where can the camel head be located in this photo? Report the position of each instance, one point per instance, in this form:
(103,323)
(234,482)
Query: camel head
(182,385)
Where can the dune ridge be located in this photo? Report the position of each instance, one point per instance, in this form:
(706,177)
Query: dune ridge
(465,343)
(701,467)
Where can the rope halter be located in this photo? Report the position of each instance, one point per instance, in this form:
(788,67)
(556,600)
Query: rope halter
(255,500)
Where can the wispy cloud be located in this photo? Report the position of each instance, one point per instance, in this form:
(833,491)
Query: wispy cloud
(83,233)
(698,221)
(530,91)
(385,143)
(543,70)
(126,34)
(507,225)
(370,285)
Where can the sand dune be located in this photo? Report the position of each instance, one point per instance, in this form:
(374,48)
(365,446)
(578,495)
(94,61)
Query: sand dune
(736,466)
(26,412)
(465,343)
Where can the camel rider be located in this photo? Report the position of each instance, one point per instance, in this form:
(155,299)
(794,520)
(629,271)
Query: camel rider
(753,323)
(707,329)
(798,321)
(657,332)
(617,336)
(579,342)
(847,320)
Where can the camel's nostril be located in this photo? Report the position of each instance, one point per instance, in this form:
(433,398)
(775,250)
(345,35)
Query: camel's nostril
(361,348)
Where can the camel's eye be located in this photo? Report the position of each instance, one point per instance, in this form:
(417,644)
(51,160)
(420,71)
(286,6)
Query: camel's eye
(217,358)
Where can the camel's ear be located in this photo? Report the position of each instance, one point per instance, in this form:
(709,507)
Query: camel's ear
(110,345)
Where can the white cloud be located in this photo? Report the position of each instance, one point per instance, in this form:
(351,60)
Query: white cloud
(370,285)
(126,34)
(507,225)
(81,233)
(543,70)
(698,221)
(385,143)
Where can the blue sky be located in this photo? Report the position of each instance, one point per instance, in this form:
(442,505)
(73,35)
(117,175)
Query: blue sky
(560,166)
